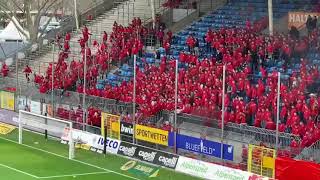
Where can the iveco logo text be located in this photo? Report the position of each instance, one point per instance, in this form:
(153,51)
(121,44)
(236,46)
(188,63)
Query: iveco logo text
(147,156)
(109,143)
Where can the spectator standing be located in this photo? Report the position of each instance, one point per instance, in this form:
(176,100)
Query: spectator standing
(309,24)
(314,23)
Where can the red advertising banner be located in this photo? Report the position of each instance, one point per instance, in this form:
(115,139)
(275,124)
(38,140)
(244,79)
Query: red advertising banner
(290,169)
(299,19)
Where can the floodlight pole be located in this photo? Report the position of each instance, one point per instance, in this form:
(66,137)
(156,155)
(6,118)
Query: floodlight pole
(223,108)
(270,17)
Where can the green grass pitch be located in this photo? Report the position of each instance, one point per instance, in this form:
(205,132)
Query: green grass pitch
(27,162)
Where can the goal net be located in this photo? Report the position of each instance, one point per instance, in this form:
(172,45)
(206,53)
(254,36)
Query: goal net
(46,133)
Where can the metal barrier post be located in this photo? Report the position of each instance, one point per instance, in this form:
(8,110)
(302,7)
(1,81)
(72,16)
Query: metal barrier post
(278,112)
(134,98)
(222,111)
(52,79)
(84,87)
(176,107)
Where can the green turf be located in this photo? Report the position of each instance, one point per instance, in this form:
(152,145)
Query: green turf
(18,162)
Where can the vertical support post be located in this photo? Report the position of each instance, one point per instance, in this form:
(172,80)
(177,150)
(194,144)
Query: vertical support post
(123,13)
(71,144)
(134,97)
(84,121)
(128,12)
(76,14)
(223,108)
(20,128)
(278,111)
(17,79)
(270,17)
(52,80)
(176,107)
(153,14)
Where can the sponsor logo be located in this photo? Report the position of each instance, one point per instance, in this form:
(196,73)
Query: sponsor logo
(139,169)
(128,165)
(147,156)
(153,135)
(109,143)
(128,151)
(126,128)
(6,128)
(168,162)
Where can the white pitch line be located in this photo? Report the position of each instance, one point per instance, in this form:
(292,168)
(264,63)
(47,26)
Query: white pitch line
(88,164)
(72,175)
(19,171)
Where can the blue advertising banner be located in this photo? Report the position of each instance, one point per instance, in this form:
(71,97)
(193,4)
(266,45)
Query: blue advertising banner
(205,147)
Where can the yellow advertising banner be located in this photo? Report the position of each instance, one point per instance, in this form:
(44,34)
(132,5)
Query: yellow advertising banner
(6,128)
(153,135)
(261,161)
(112,123)
(299,19)
(7,100)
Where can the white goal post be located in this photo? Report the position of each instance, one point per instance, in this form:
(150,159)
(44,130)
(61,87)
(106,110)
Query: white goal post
(45,125)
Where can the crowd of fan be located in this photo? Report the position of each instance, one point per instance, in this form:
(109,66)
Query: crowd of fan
(249,99)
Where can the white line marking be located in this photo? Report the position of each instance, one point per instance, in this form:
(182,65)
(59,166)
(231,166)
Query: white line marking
(19,171)
(98,167)
(73,175)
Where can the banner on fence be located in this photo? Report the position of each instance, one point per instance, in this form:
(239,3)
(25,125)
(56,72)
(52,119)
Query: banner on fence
(6,128)
(148,155)
(126,129)
(299,19)
(261,160)
(112,123)
(205,147)
(139,169)
(212,171)
(90,141)
(7,100)
(153,135)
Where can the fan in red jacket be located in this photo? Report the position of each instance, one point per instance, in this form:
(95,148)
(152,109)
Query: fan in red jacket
(4,70)
(27,70)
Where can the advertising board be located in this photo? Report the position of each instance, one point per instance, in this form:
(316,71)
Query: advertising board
(153,135)
(204,146)
(148,155)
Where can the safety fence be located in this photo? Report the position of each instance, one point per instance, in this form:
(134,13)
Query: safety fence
(194,137)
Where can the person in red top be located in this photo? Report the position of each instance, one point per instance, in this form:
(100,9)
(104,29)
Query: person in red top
(166,46)
(66,47)
(191,42)
(4,70)
(27,70)
(68,37)
(248,25)
(170,34)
